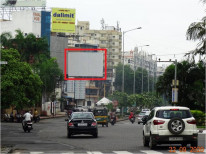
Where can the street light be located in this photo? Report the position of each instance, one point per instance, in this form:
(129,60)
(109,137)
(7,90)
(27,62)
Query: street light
(149,70)
(142,66)
(123,55)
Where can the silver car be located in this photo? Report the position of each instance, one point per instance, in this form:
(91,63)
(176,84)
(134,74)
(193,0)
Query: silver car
(141,115)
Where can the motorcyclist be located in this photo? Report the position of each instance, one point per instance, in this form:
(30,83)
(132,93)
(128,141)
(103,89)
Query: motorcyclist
(35,115)
(27,117)
(113,116)
(131,115)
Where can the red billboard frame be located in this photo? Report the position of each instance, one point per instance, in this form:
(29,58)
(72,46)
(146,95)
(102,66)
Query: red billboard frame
(81,49)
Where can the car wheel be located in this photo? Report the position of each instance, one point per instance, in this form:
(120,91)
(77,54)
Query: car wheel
(68,134)
(95,135)
(184,144)
(138,122)
(176,126)
(194,144)
(152,144)
(145,141)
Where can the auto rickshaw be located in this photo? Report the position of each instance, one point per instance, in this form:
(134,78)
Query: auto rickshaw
(101,115)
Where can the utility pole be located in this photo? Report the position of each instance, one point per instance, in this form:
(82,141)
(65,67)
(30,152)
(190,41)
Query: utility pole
(175,84)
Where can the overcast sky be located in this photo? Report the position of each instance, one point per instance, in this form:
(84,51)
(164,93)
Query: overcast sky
(164,22)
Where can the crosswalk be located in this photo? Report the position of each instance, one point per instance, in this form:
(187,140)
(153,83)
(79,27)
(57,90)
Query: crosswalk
(112,152)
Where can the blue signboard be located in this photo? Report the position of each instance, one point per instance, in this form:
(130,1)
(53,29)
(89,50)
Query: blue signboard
(46,25)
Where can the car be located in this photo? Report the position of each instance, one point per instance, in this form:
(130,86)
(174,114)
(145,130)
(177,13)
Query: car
(82,123)
(144,110)
(141,115)
(170,125)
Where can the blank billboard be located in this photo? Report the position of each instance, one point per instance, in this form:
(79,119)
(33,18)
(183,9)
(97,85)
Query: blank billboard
(85,64)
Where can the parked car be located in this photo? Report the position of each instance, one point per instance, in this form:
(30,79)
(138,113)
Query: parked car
(141,115)
(170,125)
(82,123)
(144,110)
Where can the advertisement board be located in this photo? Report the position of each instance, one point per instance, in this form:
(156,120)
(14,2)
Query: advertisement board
(85,64)
(63,20)
(23,3)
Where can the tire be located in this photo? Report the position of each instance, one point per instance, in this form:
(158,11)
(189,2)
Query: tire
(194,144)
(107,124)
(28,130)
(152,144)
(24,130)
(184,144)
(95,135)
(138,122)
(68,134)
(145,141)
(102,125)
(176,126)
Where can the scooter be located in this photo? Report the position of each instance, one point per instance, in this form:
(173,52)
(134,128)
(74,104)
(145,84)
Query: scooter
(28,126)
(132,120)
(113,120)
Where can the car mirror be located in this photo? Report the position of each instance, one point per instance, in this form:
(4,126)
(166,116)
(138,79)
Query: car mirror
(144,119)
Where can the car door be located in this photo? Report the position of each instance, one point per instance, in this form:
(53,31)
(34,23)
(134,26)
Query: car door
(149,122)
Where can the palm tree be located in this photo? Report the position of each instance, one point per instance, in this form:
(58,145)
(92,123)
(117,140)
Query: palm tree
(197,32)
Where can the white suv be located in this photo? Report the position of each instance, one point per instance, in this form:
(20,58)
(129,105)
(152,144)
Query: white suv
(170,124)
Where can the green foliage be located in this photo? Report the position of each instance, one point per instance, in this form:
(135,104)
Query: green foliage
(129,79)
(20,87)
(146,100)
(191,84)
(199,116)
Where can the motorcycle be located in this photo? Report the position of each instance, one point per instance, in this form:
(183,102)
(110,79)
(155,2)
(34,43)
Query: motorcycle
(27,126)
(36,119)
(113,120)
(132,120)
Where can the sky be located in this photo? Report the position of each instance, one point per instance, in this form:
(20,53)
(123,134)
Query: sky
(164,22)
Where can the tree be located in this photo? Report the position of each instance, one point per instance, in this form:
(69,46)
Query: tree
(20,87)
(191,84)
(196,32)
(121,97)
(129,79)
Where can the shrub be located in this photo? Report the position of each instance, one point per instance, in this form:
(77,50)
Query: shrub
(199,117)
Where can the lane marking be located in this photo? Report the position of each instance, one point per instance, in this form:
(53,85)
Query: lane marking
(36,152)
(122,152)
(94,152)
(151,151)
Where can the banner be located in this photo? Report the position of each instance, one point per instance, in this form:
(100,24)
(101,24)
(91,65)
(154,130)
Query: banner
(63,20)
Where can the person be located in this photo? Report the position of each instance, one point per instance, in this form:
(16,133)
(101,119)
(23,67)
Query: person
(131,115)
(35,115)
(12,117)
(113,116)
(27,117)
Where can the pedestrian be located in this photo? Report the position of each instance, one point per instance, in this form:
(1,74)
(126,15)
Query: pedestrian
(12,117)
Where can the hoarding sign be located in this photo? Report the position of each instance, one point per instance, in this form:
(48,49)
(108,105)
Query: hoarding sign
(63,20)
(23,3)
(36,16)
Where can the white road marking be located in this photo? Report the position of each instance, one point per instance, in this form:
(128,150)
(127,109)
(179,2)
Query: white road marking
(94,152)
(151,151)
(36,152)
(122,152)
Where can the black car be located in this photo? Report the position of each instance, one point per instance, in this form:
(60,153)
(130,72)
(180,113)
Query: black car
(82,123)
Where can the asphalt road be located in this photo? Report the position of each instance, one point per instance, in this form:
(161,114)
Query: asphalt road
(49,136)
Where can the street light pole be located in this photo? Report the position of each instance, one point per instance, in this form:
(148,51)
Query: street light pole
(123,55)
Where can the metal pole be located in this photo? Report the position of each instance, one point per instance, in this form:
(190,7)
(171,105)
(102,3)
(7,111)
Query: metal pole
(123,70)
(175,76)
(148,75)
(142,70)
(134,74)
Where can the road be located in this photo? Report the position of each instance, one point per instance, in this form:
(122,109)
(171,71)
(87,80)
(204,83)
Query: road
(49,136)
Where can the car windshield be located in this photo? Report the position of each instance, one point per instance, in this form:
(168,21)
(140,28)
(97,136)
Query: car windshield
(100,112)
(142,113)
(169,114)
(82,116)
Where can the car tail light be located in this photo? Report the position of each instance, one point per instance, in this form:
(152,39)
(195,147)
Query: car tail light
(94,124)
(158,122)
(70,124)
(191,121)
(174,109)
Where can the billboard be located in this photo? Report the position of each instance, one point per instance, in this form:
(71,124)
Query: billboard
(85,64)
(23,3)
(63,20)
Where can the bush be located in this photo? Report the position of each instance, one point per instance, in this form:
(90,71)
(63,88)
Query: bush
(199,117)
